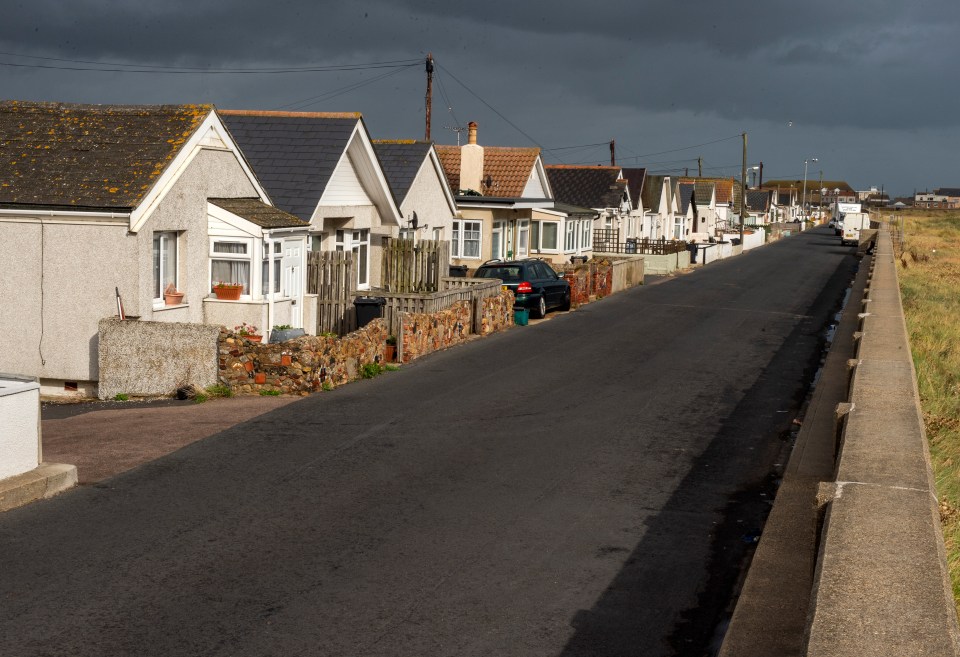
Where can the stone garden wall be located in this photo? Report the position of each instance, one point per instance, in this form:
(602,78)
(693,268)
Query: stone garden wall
(422,333)
(299,366)
(497,313)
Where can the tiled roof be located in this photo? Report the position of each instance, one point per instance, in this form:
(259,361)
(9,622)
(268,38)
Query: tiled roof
(812,183)
(652,192)
(256,211)
(509,169)
(685,194)
(88,156)
(948,191)
(401,160)
(587,186)
(726,188)
(635,180)
(293,154)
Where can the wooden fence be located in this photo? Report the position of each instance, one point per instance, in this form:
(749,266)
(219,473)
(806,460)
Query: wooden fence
(332,276)
(414,267)
(607,240)
(452,290)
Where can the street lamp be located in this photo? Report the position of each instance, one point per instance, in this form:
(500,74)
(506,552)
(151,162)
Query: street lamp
(803,205)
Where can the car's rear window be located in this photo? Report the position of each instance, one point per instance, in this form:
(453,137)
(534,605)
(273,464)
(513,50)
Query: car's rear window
(506,274)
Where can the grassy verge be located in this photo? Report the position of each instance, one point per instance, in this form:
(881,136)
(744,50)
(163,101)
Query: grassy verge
(929,271)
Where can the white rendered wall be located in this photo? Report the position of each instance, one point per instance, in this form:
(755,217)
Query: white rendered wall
(19,425)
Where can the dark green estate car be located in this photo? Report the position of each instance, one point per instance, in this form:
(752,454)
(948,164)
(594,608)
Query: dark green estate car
(534,282)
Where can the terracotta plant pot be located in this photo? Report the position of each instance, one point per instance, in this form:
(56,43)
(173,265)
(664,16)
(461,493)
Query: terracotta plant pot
(252,338)
(173,298)
(228,292)
(390,353)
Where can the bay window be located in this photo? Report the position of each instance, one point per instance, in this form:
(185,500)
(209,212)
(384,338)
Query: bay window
(570,240)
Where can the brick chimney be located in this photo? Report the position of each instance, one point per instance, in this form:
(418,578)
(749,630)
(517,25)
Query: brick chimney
(471,161)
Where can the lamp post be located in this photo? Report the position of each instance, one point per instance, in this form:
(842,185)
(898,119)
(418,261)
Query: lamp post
(803,204)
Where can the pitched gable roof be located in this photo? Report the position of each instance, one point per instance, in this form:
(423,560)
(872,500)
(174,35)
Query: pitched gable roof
(636,178)
(758,200)
(703,191)
(652,192)
(587,186)
(294,154)
(257,212)
(401,161)
(686,192)
(509,169)
(727,189)
(62,155)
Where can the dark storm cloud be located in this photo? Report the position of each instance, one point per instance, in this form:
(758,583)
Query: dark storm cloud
(643,72)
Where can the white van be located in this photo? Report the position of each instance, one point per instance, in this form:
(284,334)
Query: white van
(853,223)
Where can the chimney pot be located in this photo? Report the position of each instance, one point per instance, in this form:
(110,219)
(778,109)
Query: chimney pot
(472,132)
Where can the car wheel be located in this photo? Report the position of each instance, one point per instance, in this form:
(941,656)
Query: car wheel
(541,310)
(566,301)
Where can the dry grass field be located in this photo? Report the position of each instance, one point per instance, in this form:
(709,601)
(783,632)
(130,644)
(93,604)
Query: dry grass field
(929,271)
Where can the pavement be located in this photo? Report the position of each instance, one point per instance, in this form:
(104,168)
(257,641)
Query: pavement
(106,438)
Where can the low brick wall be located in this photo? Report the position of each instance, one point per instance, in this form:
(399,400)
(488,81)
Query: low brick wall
(149,359)
(422,333)
(298,366)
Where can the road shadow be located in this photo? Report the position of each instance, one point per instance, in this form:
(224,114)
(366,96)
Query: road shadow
(715,516)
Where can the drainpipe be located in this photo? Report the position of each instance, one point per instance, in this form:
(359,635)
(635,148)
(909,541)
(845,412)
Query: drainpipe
(270,285)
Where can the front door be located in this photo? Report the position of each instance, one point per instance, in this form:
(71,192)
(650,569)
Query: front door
(292,278)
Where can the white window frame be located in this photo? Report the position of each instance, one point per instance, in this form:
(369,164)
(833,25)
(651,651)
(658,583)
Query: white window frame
(497,235)
(358,241)
(160,239)
(460,229)
(279,292)
(556,237)
(236,257)
(586,230)
(570,237)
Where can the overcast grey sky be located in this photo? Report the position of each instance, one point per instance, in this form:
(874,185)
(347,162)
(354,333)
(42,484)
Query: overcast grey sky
(866,87)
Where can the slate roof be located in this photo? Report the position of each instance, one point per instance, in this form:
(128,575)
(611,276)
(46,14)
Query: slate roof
(758,200)
(401,160)
(704,192)
(947,191)
(812,183)
(257,212)
(587,186)
(685,194)
(293,154)
(635,180)
(509,168)
(652,191)
(62,155)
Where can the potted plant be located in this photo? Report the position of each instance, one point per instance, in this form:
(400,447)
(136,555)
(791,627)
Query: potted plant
(284,332)
(228,291)
(171,296)
(390,350)
(248,331)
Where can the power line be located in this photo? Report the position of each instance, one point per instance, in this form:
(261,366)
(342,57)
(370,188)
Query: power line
(685,148)
(333,93)
(119,67)
(495,110)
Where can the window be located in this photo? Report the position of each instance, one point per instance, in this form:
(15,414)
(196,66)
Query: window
(438,234)
(586,228)
(164,262)
(548,237)
(466,239)
(407,233)
(570,241)
(265,268)
(357,241)
(496,239)
(523,238)
(230,262)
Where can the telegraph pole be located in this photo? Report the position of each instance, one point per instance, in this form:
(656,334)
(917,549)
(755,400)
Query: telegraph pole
(700,167)
(613,152)
(429,99)
(743,188)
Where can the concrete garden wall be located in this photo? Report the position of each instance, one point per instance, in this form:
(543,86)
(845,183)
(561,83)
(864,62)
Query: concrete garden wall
(19,425)
(147,359)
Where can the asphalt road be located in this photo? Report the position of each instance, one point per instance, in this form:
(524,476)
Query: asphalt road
(587,486)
